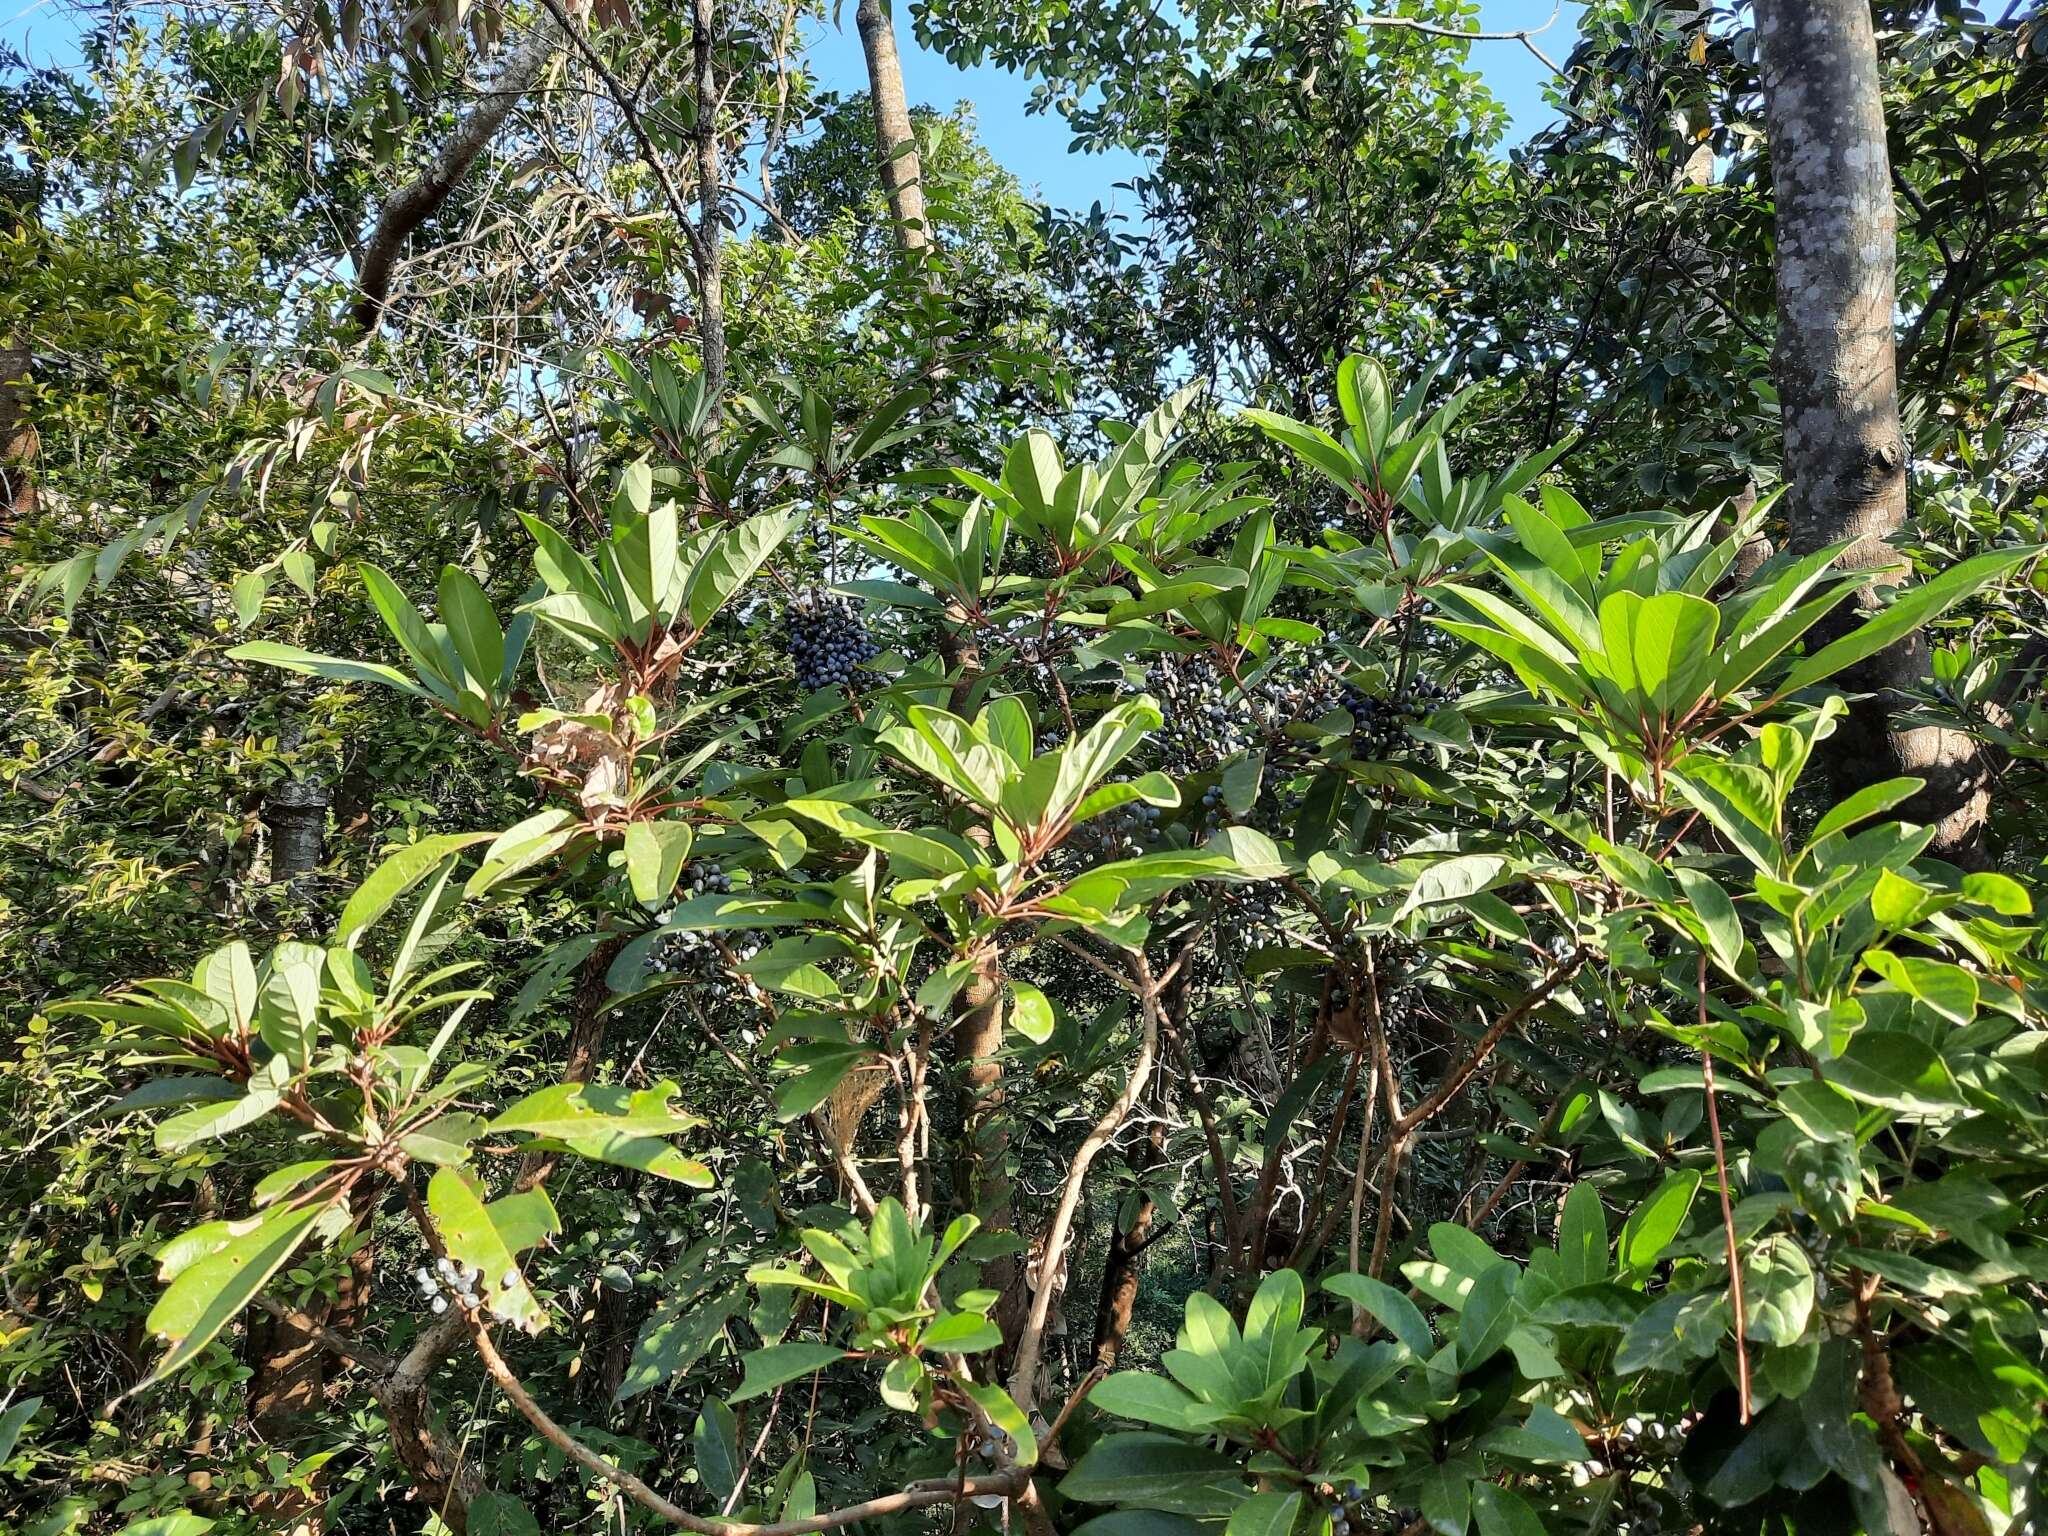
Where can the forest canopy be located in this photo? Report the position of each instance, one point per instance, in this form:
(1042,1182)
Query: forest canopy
(709,823)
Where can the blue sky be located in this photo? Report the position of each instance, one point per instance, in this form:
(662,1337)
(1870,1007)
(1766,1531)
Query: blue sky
(1035,147)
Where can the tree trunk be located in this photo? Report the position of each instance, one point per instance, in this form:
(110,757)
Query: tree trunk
(17,436)
(895,140)
(1127,1245)
(710,219)
(443,1480)
(1845,454)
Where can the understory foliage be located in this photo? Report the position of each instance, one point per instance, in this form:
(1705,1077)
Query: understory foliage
(903,948)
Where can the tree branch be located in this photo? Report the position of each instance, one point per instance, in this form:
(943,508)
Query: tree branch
(1023,1376)
(1525,36)
(340,1343)
(920,1495)
(419,199)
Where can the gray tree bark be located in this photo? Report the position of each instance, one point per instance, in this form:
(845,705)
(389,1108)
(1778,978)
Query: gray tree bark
(709,247)
(1836,372)
(417,201)
(895,140)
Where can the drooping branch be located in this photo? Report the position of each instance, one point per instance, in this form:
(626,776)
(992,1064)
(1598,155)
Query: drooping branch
(1404,1124)
(421,198)
(704,235)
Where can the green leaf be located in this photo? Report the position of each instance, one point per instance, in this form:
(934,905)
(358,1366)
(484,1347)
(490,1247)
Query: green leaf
(228,976)
(1488,1316)
(1871,800)
(655,1158)
(960,1333)
(1002,1411)
(398,874)
(210,1121)
(1447,1496)
(159,1092)
(210,1292)
(500,1514)
(1914,609)
(1265,1514)
(167,1525)
(1452,879)
(1031,1013)
(1147,1398)
(473,627)
(730,563)
(334,668)
(444,1143)
(1716,913)
(1778,1290)
(569,1111)
(676,1338)
(246,596)
(655,854)
(2001,893)
(472,1238)
(1275,1343)
(1142,1522)
(717,1444)
(13,1421)
(408,625)
(1653,1226)
(1393,1310)
(1677,1329)
(1503,1512)
(767,1369)
(1312,446)
(522,846)
(1151,1471)
(1582,1236)
(1895,1071)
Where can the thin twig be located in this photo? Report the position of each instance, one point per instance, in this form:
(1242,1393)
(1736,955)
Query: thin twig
(1727,1206)
(920,1495)
(1525,36)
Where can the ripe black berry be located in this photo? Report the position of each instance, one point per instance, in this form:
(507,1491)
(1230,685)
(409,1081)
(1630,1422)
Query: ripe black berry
(1380,721)
(827,642)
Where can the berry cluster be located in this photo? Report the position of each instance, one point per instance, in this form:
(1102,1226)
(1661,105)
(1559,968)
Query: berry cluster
(1244,915)
(1353,1514)
(1126,831)
(692,952)
(1380,721)
(1625,1448)
(1206,718)
(701,878)
(827,642)
(450,1280)
(1298,686)
(1030,642)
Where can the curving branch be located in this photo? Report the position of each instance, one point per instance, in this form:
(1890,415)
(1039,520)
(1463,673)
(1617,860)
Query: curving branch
(1024,1374)
(1010,1483)
(1526,36)
(419,199)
